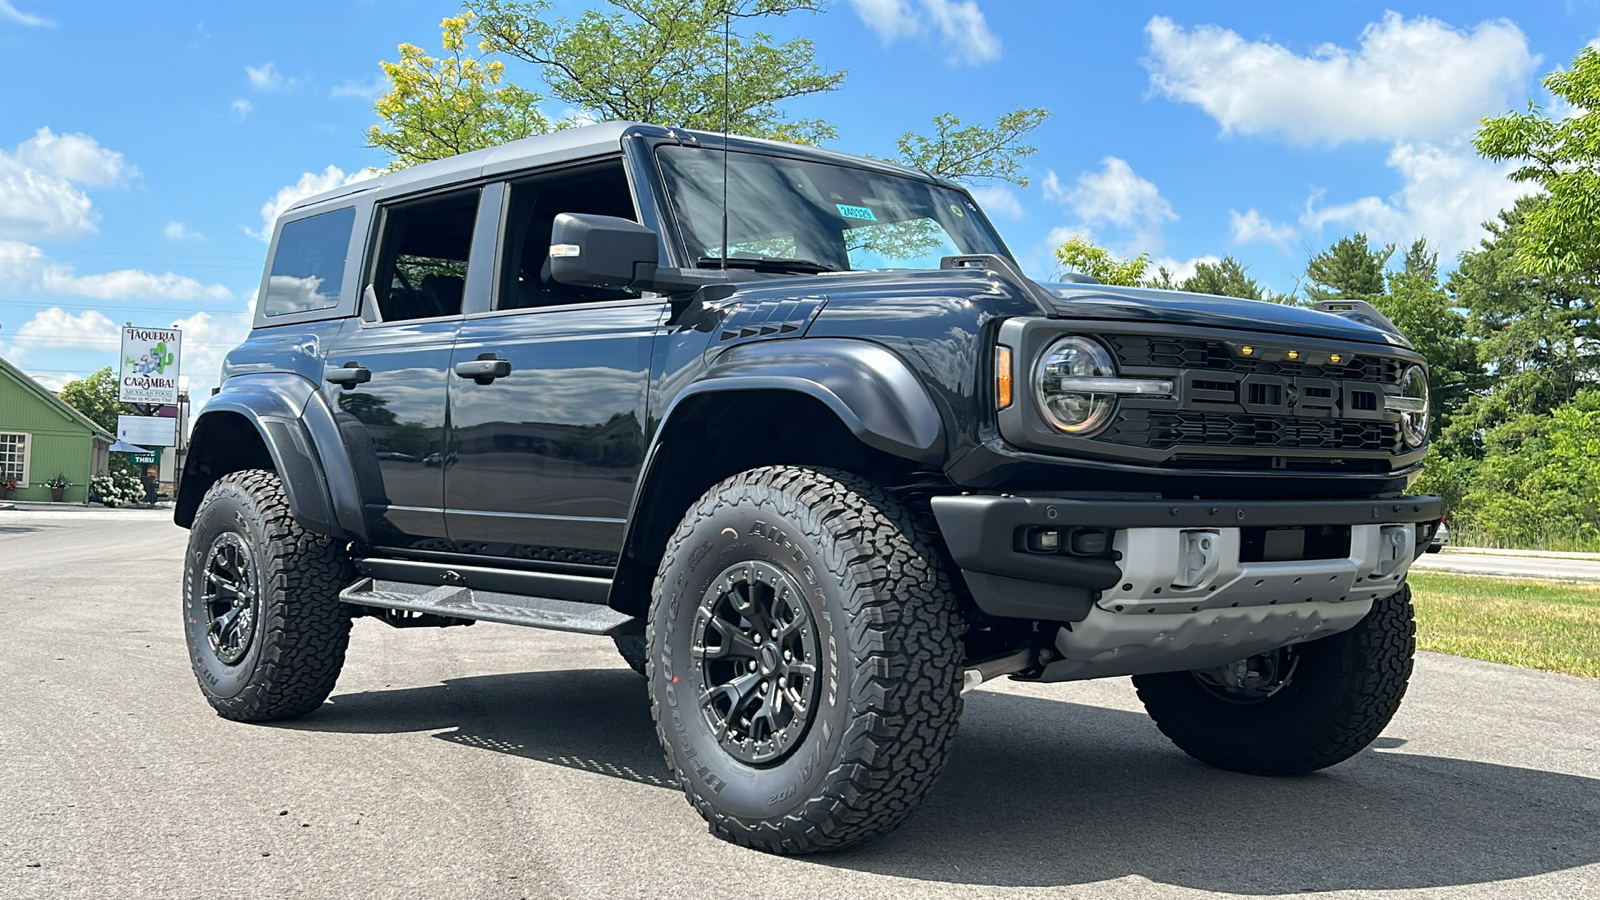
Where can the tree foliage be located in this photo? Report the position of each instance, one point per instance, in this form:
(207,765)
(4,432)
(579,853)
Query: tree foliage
(1418,305)
(1081,255)
(975,152)
(1560,154)
(1351,269)
(96,397)
(1226,278)
(441,106)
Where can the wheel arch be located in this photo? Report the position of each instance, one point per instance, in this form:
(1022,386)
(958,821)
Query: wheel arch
(837,404)
(278,422)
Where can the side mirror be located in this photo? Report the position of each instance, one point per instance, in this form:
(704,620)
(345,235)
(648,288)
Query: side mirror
(601,251)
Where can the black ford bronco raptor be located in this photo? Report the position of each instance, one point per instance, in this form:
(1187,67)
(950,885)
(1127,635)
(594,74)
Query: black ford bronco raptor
(792,428)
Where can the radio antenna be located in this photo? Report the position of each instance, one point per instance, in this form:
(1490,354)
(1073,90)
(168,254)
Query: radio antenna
(727,29)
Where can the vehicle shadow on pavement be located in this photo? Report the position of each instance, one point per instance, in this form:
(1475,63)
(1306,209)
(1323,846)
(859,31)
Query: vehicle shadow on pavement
(1049,793)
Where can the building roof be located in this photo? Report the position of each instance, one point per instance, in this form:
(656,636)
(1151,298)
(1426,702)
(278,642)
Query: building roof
(53,402)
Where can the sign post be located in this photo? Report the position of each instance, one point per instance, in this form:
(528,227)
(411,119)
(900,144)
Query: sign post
(149,369)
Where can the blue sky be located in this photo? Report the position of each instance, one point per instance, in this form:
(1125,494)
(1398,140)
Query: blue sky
(142,146)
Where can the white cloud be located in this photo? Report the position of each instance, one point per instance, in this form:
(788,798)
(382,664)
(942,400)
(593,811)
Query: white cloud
(960,24)
(59,329)
(7,11)
(207,338)
(40,193)
(368,89)
(1054,190)
(1446,196)
(1415,79)
(1181,270)
(309,185)
(75,157)
(1117,196)
(264,78)
(1252,227)
(24,267)
(177,231)
(998,200)
(241,107)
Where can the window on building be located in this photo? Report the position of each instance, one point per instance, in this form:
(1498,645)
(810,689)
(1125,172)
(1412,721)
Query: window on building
(14,458)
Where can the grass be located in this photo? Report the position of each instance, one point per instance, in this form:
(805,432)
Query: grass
(1549,625)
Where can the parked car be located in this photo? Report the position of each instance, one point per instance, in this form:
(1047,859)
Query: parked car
(1441,536)
(793,429)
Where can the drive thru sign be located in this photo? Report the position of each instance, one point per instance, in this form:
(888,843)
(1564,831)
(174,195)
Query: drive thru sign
(149,365)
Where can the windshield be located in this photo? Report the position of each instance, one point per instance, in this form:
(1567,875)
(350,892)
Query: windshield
(808,216)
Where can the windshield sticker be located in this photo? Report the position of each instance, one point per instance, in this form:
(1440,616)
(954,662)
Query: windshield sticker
(856,212)
(956,208)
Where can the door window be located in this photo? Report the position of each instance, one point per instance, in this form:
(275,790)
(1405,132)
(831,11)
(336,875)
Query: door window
(308,267)
(525,280)
(422,258)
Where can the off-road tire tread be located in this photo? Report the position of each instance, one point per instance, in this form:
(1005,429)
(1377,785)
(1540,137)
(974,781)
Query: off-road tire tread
(903,611)
(307,627)
(632,650)
(1370,665)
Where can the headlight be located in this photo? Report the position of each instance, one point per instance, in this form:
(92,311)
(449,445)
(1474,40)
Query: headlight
(1058,385)
(1412,404)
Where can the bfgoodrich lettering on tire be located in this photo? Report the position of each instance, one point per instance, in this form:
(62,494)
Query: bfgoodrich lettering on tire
(803,660)
(262,617)
(1295,710)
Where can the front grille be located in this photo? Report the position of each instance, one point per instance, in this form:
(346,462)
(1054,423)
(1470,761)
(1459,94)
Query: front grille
(1194,353)
(1164,430)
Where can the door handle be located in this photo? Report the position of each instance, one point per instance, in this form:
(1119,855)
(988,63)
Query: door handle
(349,375)
(485,369)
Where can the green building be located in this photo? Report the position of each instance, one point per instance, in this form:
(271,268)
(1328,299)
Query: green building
(41,437)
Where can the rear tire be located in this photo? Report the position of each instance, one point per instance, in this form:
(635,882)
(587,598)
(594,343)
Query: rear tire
(1340,693)
(631,648)
(262,618)
(804,664)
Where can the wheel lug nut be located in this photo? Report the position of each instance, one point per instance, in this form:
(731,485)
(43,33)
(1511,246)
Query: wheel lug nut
(763,687)
(752,665)
(774,634)
(757,637)
(788,655)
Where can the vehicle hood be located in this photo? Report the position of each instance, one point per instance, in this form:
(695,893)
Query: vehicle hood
(1098,301)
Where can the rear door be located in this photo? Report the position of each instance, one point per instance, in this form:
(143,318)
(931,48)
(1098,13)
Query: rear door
(386,374)
(544,457)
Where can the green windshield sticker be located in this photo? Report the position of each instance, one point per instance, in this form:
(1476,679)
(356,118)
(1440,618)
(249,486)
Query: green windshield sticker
(856,212)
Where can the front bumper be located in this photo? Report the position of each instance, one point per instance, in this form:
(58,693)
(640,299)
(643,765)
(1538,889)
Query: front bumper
(1175,590)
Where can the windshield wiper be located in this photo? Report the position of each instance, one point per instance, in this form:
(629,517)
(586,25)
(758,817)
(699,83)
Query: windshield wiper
(767,263)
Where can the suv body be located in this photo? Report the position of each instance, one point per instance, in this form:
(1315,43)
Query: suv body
(507,386)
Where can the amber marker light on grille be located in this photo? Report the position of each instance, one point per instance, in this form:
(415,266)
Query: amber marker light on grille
(1294,354)
(1335,358)
(1247,351)
(1002,376)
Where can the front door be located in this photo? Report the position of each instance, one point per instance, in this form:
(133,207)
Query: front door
(547,394)
(386,374)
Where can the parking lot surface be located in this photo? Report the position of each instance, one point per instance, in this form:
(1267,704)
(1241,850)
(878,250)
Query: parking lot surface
(499,762)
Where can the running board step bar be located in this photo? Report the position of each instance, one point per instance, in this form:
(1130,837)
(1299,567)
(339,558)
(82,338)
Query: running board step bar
(486,606)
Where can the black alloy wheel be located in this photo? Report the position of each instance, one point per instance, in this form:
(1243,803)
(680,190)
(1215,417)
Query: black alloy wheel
(757,675)
(1251,680)
(230,598)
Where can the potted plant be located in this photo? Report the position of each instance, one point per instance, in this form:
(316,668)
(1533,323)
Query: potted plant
(8,486)
(57,486)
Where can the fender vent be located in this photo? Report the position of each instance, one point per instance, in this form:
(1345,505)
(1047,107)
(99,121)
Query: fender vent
(768,318)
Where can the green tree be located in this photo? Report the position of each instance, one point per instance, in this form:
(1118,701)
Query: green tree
(439,107)
(662,61)
(658,61)
(1562,156)
(1418,305)
(1538,336)
(1225,278)
(1539,483)
(96,397)
(1081,255)
(1351,269)
(974,152)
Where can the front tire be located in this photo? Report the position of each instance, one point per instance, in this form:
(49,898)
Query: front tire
(262,618)
(1325,702)
(803,660)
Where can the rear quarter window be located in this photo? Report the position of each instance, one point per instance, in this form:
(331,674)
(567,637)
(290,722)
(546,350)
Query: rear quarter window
(308,268)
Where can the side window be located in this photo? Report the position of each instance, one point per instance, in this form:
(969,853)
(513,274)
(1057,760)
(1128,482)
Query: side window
(422,257)
(525,277)
(309,265)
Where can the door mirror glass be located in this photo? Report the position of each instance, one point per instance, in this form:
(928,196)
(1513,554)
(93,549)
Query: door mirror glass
(602,251)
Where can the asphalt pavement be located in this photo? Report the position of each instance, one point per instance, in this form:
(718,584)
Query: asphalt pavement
(499,762)
(1566,567)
